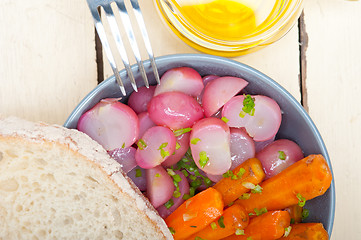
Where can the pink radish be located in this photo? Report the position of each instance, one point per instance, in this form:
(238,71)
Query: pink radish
(111,123)
(219,91)
(210,145)
(177,201)
(279,155)
(181,148)
(156,145)
(260,145)
(242,146)
(215,178)
(206,80)
(182,79)
(264,123)
(125,157)
(144,123)
(175,110)
(160,186)
(138,101)
(137,174)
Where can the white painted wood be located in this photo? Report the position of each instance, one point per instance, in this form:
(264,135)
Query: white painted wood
(47,58)
(270,60)
(333,87)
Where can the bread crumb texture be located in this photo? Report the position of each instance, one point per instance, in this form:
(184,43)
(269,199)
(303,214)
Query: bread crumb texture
(57,183)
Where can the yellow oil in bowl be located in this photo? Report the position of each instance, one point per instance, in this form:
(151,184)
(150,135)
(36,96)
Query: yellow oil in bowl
(229,27)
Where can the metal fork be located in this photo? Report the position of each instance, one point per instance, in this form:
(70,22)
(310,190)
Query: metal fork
(105,4)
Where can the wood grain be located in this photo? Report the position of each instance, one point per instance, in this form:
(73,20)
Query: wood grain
(333,72)
(47,60)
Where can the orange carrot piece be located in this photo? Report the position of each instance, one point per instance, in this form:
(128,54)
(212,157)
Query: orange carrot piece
(233,218)
(268,226)
(195,213)
(309,231)
(307,178)
(231,189)
(295,212)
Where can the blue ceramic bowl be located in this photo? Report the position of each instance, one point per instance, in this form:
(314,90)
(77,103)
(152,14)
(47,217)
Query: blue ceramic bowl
(296,123)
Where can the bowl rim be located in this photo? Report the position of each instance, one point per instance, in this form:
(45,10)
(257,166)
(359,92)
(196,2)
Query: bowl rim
(239,65)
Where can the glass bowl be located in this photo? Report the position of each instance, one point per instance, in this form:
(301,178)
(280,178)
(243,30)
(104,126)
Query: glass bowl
(296,123)
(229,27)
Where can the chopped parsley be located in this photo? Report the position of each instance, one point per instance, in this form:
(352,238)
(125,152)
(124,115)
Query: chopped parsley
(301,200)
(281,155)
(248,106)
(245,196)
(260,211)
(141,144)
(181,131)
(203,159)
(213,225)
(224,119)
(169,204)
(138,172)
(220,222)
(194,141)
(257,189)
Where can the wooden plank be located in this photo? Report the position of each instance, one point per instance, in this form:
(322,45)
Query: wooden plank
(333,86)
(47,59)
(270,60)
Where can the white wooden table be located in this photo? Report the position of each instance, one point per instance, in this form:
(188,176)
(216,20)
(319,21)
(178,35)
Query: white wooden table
(48,64)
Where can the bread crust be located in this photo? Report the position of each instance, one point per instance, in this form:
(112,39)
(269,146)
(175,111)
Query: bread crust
(22,131)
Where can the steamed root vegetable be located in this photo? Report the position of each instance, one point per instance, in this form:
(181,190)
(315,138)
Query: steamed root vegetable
(111,123)
(260,145)
(160,186)
(206,80)
(182,146)
(139,101)
(177,199)
(233,220)
(242,147)
(175,110)
(304,180)
(260,115)
(195,214)
(156,145)
(210,145)
(182,79)
(219,91)
(268,226)
(237,182)
(307,231)
(125,157)
(144,123)
(279,155)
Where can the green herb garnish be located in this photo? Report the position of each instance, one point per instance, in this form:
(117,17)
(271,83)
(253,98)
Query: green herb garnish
(194,141)
(123,146)
(248,104)
(203,159)
(138,172)
(224,119)
(257,189)
(141,144)
(157,175)
(213,225)
(163,145)
(245,196)
(169,204)
(193,226)
(281,155)
(220,222)
(172,231)
(239,232)
(181,131)
(260,211)
(301,200)
(287,231)
(305,213)
(177,146)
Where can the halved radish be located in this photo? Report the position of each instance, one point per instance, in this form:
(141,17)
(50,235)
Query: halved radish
(138,101)
(215,178)
(111,123)
(144,123)
(242,147)
(156,145)
(210,145)
(182,79)
(260,145)
(279,155)
(125,157)
(175,110)
(262,124)
(206,80)
(137,174)
(160,186)
(177,201)
(219,91)
(181,148)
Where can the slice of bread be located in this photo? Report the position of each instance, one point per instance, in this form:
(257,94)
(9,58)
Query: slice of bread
(57,183)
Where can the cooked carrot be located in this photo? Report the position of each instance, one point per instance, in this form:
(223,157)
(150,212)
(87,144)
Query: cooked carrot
(295,212)
(268,226)
(304,180)
(231,189)
(309,231)
(195,213)
(233,219)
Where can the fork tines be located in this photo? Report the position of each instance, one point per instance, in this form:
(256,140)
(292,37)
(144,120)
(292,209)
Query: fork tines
(106,5)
